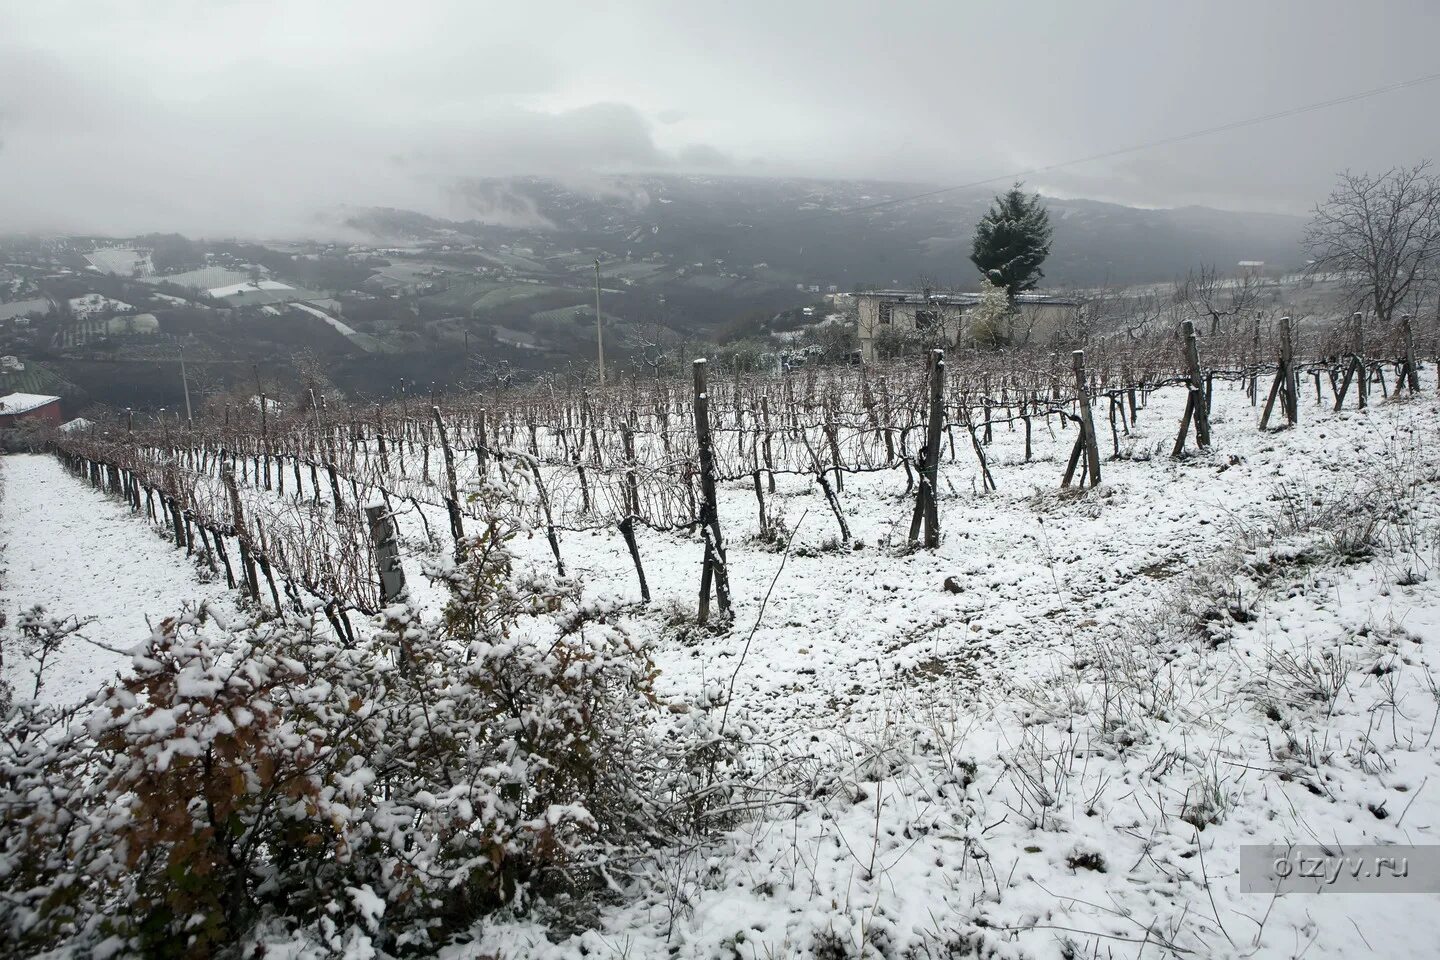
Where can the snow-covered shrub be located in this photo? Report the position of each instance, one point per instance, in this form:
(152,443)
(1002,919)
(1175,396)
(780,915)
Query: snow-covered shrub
(380,795)
(990,321)
(533,723)
(44,796)
(223,760)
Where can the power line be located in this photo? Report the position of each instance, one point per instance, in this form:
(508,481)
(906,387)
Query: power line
(1151,144)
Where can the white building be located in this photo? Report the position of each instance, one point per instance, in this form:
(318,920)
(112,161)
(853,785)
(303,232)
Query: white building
(904,311)
(92,304)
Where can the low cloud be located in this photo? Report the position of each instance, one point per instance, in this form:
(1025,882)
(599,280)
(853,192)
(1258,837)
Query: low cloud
(83,158)
(249,118)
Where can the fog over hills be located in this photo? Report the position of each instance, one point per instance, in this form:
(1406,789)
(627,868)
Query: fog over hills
(842,232)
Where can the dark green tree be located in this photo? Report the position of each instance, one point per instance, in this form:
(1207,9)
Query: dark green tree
(1012,241)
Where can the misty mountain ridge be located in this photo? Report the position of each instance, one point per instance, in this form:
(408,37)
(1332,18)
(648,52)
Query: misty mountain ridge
(841,232)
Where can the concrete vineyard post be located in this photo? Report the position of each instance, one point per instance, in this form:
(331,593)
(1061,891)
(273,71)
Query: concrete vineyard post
(387,552)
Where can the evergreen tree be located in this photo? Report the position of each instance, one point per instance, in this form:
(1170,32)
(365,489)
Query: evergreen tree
(1012,241)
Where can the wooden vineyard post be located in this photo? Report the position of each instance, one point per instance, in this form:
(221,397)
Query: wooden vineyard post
(1286,385)
(533,465)
(632,487)
(1355,366)
(242,536)
(885,418)
(595,451)
(1197,406)
(335,487)
(1410,374)
(379,437)
(714,570)
(831,437)
(225,558)
(1255,367)
(1085,444)
(264,428)
(227,476)
(482,450)
(584,483)
(452,500)
(627,530)
(178,522)
(387,552)
(1292,378)
(927,509)
(769,457)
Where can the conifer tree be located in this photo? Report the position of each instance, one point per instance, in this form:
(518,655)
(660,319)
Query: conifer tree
(1012,241)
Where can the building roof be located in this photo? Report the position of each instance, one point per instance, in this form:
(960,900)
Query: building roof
(246,287)
(202,279)
(966,299)
(265,292)
(14,403)
(120,260)
(20,308)
(91,303)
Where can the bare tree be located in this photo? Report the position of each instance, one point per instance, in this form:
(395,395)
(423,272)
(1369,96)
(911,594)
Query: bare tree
(1210,296)
(1142,313)
(1379,236)
(654,340)
(937,325)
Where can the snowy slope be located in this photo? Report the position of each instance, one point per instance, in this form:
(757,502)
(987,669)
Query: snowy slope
(1060,760)
(82,554)
(946,765)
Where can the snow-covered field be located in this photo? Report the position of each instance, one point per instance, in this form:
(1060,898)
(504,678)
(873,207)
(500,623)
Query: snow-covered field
(1060,755)
(79,553)
(231,289)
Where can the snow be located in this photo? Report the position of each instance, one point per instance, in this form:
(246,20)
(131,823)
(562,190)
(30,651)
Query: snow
(945,770)
(201,279)
(246,287)
(19,308)
(13,403)
(122,261)
(863,655)
(93,303)
(321,314)
(80,553)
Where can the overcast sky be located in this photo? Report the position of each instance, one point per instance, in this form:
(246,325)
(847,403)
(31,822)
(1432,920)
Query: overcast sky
(247,116)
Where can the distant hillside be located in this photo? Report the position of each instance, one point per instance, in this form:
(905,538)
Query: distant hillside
(784,231)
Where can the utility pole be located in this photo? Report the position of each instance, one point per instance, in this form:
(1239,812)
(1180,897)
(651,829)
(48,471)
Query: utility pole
(599,336)
(185,381)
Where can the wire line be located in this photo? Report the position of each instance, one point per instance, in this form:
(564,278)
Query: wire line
(1151,144)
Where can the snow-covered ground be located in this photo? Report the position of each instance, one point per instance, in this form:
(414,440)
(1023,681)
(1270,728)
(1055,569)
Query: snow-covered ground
(1017,769)
(79,553)
(231,289)
(342,328)
(1061,756)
